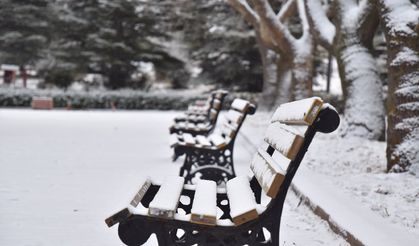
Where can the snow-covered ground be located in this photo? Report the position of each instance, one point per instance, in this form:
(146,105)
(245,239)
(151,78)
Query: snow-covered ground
(63,172)
(356,168)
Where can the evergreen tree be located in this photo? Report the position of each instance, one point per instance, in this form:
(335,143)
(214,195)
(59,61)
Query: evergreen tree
(24,30)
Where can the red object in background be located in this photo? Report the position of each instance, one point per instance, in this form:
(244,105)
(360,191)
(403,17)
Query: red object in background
(9,76)
(42,103)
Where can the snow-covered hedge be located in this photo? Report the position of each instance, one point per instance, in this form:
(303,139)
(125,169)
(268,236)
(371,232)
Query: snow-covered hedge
(121,99)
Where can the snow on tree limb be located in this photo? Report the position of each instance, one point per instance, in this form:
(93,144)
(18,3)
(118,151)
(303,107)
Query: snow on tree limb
(280,33)
(287,10)
(245,10)
(402,17)
(321,24)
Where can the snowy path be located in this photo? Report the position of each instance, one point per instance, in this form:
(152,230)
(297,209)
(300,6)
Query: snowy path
(63,172)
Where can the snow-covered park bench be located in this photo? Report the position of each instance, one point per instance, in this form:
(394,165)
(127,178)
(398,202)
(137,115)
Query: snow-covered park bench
(211,157)
(202,214)
(200,120)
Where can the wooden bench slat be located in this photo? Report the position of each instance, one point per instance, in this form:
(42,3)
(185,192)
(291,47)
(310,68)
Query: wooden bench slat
(228,130)
(213,114)
(164,204)
(204,207)
(240,104)
(140,193)
(269,174)
(217,104)
(203,140)
(234,116)
(218,140)
(298,112)
(188,139)
(242,200)
(284,139)
(125,213)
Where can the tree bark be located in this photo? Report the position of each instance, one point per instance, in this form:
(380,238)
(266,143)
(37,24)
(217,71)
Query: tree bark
(302,72)
(294,57)
(269,90)
(361,85)
(403,84)
(284,80)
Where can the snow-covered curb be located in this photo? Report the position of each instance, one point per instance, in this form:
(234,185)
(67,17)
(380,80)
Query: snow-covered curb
(345,216)
(357,224)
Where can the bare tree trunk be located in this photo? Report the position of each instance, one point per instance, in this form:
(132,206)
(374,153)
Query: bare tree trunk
(403,84)
(302,72)
(294,56)
(269,91)
(361,84)
(284,80)
(329,71)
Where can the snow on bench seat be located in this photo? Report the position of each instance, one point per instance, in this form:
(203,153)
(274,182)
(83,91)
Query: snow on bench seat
(204,207)
(269,174)
(240,104)
(242,200)
(298,112)
(218,140)
(188,139)
(284,139)
(165,202)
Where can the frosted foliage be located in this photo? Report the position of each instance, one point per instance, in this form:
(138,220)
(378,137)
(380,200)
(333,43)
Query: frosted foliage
(324,26)
(408,150)
(364,110)
(401,17)
(406,56)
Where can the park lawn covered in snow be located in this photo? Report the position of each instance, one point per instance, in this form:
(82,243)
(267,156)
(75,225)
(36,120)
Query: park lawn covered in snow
(63,172)
(356,167)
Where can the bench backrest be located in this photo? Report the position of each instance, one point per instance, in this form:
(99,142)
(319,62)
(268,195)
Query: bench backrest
(235,117)
(291,130)
(217,99)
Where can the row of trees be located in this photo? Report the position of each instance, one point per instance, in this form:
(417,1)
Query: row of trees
(346,28)
(65,38)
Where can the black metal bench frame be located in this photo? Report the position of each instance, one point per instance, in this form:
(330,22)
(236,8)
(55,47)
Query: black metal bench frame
(136,229)
(211,163)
